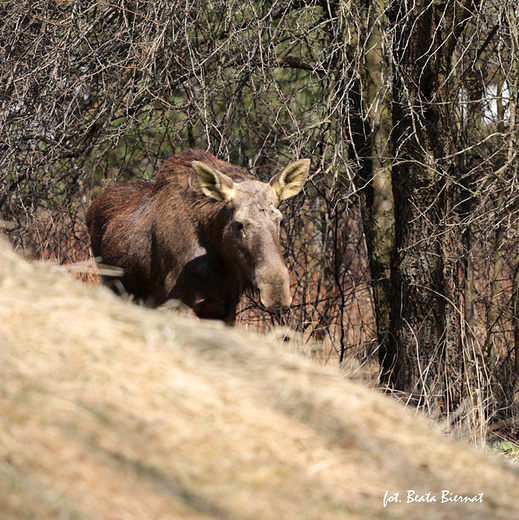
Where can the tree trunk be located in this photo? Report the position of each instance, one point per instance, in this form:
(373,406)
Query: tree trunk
(378,204)
(369,123)
(512,157)
(425,350)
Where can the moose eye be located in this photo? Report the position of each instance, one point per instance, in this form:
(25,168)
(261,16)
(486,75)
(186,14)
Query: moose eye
(239,227)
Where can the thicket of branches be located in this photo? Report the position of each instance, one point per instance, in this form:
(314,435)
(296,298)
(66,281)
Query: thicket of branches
(412,103)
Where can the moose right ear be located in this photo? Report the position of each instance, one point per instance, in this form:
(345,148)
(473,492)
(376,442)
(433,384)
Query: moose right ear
(291,180)
(214,183)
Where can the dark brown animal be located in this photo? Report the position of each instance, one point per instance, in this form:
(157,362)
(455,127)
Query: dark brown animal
(204,233)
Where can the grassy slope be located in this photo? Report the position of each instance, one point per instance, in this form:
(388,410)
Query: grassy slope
(111,411)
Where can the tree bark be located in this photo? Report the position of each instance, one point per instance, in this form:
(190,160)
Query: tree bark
(378,203)
(425,350)
(512,157)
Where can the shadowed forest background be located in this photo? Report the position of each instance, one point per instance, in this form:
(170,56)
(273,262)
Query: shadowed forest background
(404,247)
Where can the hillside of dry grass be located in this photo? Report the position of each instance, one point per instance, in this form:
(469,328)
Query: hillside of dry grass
(111,411)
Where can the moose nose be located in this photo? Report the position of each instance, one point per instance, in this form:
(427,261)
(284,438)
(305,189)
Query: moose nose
(279,305)
(276,296)
(272,280)
(276,306)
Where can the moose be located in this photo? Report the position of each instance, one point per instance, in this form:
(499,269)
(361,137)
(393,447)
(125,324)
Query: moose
(203,233)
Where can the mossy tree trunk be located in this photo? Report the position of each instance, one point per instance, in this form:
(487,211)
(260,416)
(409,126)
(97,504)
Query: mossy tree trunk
(512,159)
(377,195)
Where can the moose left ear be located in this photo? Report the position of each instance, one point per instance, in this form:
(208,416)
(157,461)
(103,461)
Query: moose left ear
(214,183)
(291,180)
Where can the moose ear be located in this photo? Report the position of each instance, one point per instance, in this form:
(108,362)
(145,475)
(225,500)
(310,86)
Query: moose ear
(214,183)
(291,180)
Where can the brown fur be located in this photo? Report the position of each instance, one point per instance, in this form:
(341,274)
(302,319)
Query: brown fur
(175,241)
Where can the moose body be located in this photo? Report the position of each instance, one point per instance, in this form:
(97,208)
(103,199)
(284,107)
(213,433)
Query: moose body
(203,233)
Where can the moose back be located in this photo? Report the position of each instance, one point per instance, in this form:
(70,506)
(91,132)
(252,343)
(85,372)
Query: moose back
(203,233)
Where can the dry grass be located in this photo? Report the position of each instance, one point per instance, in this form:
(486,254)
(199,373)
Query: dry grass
(112,411)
